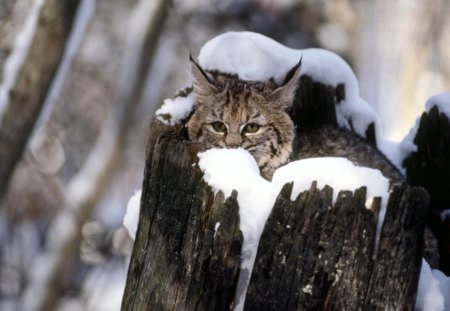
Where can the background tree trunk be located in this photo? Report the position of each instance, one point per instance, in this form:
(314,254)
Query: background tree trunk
(98,169)
(34,79)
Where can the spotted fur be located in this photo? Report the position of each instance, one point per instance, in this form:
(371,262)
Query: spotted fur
(232,113)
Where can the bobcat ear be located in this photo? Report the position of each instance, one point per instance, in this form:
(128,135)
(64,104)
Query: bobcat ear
(284,95)
(201,80)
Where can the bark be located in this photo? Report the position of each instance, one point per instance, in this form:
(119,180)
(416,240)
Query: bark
(310,256)
(429,167)
(180,261)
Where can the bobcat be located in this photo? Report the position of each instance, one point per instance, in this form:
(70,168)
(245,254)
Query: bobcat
(232,113)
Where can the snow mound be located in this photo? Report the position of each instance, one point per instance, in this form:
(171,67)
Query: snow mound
(256,57)
(338,172)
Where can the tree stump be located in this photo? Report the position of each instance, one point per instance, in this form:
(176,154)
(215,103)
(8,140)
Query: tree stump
(187,250)
(311,255)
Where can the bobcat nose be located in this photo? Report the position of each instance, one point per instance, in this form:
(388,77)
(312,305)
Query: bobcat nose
(233,141)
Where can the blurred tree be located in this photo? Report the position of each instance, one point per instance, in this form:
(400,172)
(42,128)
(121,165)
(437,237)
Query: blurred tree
(24,99)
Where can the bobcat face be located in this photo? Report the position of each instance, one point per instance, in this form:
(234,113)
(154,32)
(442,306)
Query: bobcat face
(231,113)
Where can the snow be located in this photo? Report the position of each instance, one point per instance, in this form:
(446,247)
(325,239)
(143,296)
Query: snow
(339,172)
(444,287)
(256,57)
(131,219)
(441,101)
(445,214)
(216,227)
(393,152)
(307,289)
(429,295)
(397,152)
(256,196)
(245,52)
(17,57)
(407,145)
(175,110)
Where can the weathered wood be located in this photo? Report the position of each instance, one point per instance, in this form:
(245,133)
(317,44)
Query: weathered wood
(311,257)
(393,283)
(429,167)
(180,261)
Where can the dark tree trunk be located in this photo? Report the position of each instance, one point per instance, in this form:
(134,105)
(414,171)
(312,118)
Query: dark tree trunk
(429,167)
(310,256)
(180,261)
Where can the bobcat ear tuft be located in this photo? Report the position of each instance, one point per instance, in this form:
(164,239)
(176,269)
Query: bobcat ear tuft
(201,80)
(284,95)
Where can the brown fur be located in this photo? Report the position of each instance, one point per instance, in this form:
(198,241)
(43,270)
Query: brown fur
(330,141)
(227,99)
(242,106)
(235,103)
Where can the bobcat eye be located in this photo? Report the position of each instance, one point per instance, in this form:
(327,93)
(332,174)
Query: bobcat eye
(219,127)
(251,128)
